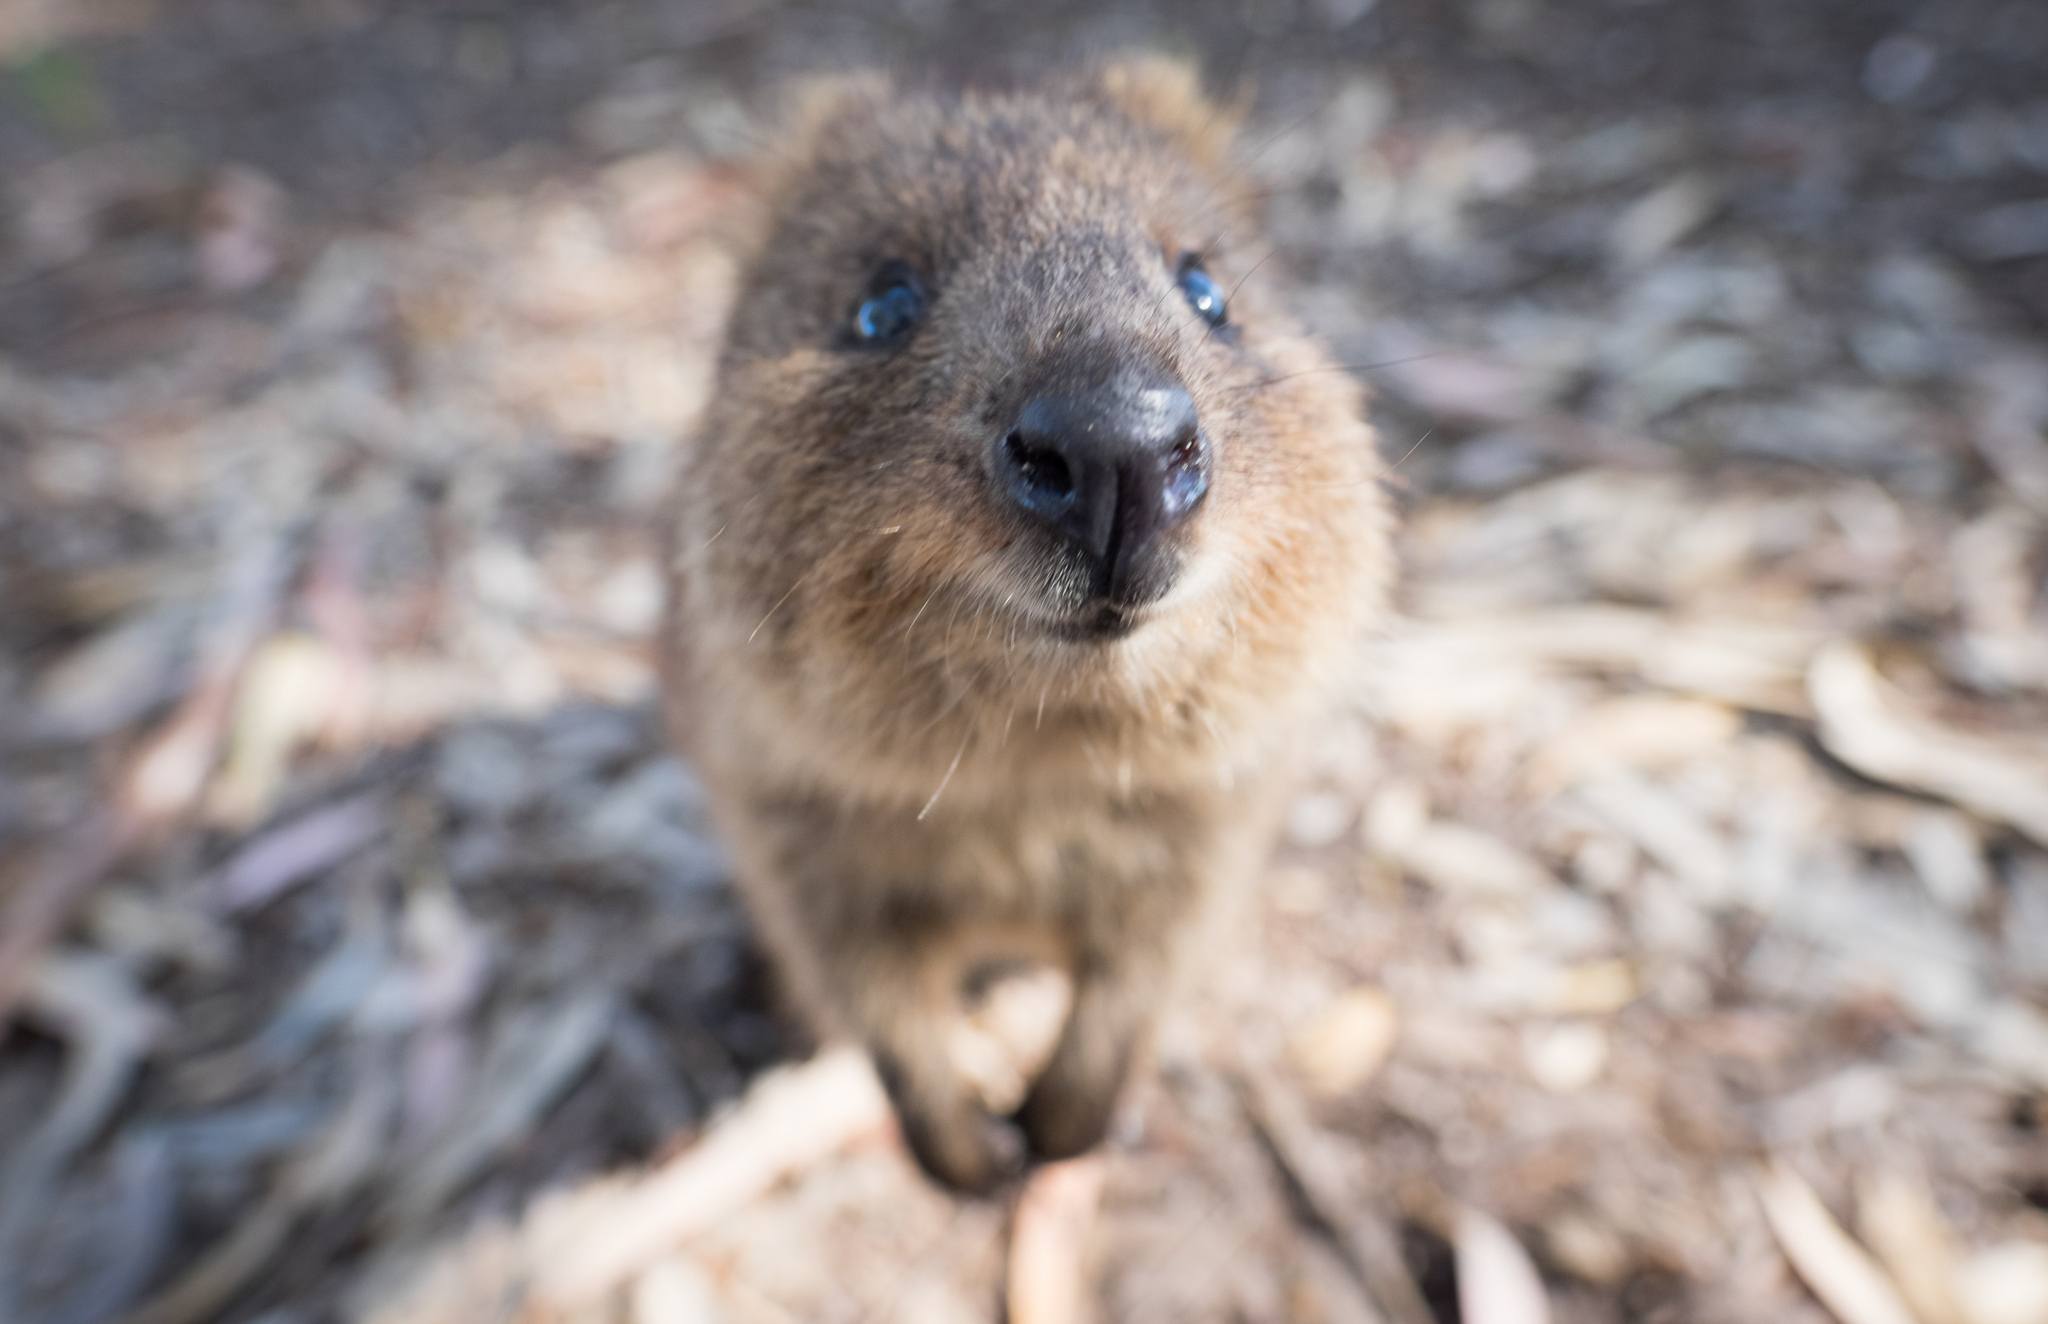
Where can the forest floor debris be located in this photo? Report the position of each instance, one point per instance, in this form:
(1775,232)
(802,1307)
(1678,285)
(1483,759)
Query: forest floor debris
(1666,945)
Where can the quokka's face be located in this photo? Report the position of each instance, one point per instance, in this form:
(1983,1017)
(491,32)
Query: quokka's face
(1011,360)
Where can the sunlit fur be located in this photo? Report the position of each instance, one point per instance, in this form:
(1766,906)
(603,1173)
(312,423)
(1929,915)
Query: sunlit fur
(914,760)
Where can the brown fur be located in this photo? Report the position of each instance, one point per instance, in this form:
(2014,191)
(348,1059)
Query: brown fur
(913,773)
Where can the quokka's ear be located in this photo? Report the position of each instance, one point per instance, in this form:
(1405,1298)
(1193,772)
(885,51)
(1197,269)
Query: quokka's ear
(784,133)
(818,101)
(1165,93)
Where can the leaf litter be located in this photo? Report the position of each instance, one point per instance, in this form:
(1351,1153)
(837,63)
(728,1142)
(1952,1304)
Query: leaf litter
(1666,945)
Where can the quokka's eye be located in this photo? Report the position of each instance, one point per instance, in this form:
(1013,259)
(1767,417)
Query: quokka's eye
(893,305)
(1203,293)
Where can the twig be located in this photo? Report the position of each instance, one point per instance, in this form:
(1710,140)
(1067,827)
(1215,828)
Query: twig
(786,1123)
(1362,1237)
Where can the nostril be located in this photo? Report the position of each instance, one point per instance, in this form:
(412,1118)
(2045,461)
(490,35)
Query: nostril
(1042,472)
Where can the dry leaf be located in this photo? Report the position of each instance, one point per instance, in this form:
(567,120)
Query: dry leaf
(1869,728)
(1899,1219)
(531,1071)
(1594,988)
(1659,220)
(1464,859)
(293,852)
(1845,1279)
(1640,732)
(292,691)
(1586,1248)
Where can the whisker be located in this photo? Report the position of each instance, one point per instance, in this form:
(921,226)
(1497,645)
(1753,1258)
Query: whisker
(1209,330)
(1267,144)
(1243,162)
(1171,286)
(947,780)
(1245,277)
(1338,367)
(951,706)
(946,646)
(778,604)
(918,617)
(745,507)
(1426,435)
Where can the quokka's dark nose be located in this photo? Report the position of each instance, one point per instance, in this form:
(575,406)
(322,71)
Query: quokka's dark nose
(1110,468)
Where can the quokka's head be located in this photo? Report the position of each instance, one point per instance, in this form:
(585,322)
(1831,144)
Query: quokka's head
(1002,356)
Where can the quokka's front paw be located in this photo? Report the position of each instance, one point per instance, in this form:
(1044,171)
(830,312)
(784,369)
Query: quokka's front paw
(957,1142)
(1070,1108)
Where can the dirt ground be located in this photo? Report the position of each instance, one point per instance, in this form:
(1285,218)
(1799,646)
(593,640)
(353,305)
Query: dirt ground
(1676,925)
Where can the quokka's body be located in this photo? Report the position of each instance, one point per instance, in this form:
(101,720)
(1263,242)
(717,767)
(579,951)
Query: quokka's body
(1017,548)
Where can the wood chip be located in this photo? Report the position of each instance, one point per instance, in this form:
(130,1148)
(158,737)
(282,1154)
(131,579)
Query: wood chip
(1586,1248)
(1346,1043)
(1565,1058)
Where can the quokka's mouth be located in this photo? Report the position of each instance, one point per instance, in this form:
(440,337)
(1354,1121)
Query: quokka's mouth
(1098,623)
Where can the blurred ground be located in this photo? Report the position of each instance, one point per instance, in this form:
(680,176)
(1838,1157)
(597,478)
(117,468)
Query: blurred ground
(1700,867)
